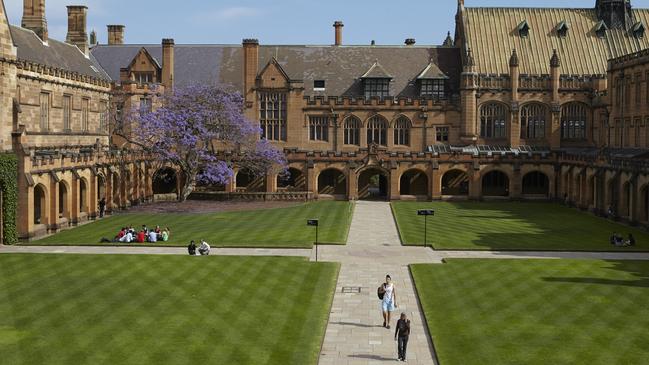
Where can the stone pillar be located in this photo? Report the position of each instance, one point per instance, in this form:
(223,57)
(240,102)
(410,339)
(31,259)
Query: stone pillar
(434,182)
(516,183)
(93,203)
(271,183)
(394,180)
(514,125)
(555,81)
(352,184)
(311,182)
(475,184)
(73,207)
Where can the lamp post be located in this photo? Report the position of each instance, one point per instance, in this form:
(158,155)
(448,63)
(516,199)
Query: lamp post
(314,223)
(425,213)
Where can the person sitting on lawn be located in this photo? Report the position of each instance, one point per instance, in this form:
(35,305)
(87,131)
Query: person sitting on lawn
(145,229)
(191,249)
(164,236)
(152,237)
(127,238)
(121,233)
(631,240)
(141,237)
(204,248)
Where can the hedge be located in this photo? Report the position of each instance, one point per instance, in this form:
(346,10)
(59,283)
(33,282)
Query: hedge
(9,184)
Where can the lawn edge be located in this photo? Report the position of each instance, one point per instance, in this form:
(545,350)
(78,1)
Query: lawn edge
(331,304)
(352,207)
(429,338)
(396,223)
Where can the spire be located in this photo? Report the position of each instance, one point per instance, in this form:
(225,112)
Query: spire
(555,61)
(448,42)
(513,60)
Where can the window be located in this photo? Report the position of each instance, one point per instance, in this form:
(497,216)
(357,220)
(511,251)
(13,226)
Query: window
(67,110)
(377,88)
(45,111)
(377,131)
(319,85)
(402,131)
(533,121)
(103,121)
(441,134)
(272,118)
(601,29)
(523,29)
(573,121)
(562,29)
(352,131)
(492,121)
(84,114)
(144,77)
(433,88)
(145,106)
(319,128)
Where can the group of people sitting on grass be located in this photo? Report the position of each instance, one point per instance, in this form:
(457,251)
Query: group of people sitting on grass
(619,241)
(130,235)
(202,250)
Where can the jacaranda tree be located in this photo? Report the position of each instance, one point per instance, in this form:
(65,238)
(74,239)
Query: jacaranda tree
(189,129)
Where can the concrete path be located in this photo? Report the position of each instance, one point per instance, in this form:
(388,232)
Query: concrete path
(355,334)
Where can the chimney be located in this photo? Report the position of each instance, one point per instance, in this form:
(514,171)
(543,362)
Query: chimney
(34,17)
(410,42)
(115,34)
(338,25)
(250,67)
(168,63)
(77,35)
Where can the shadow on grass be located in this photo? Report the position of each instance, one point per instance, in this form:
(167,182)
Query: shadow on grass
(639,269)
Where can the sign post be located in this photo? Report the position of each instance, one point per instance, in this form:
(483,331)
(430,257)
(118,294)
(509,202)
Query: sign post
(314,223)
(425,213)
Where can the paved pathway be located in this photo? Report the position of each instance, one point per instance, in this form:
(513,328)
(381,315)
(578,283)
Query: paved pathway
(355,334)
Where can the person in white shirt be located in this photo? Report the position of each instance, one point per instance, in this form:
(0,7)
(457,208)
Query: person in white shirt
(153,237)
(127,238)
(204,248)
(389,301)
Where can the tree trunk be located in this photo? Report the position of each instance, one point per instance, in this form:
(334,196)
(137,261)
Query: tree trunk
(188,188)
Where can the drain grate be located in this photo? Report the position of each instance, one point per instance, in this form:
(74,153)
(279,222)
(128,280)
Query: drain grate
(351,289)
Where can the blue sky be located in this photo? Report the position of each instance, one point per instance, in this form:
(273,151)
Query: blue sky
(274,21)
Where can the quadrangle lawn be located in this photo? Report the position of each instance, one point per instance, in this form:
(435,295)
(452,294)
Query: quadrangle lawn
(510,226)
(280,227)
(84,309)
(511,312)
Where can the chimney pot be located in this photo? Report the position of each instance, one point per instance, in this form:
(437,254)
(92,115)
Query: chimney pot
(250,42)
(410,42)
(338,26)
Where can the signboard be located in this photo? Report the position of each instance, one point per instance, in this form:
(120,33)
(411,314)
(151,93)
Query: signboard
(312,222)
(426,212)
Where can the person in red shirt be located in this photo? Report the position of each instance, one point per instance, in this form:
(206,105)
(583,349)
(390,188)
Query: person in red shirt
(141,237)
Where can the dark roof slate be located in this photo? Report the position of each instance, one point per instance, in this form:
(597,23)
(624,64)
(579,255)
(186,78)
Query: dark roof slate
(55,54)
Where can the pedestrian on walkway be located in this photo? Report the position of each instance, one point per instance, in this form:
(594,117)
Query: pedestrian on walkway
(102,207)
(401,335)
(388,301)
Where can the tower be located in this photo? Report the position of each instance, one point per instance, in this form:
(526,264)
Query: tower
(615,13)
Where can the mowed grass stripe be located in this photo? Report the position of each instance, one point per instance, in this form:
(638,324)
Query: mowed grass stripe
(510,226)
(162,309)
(536,311)
(280,227)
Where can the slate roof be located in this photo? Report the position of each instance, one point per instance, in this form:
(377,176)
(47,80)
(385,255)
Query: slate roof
(491,33)
(55,54)
(376,72)
(341,67)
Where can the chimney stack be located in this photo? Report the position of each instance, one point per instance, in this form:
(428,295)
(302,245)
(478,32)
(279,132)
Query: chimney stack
(250,67)
(115,34)
(410,42)
(77,35)
(168,63)
(338,25)
(34,17)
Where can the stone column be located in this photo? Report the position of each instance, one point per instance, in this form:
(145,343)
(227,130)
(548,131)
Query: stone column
(555,80)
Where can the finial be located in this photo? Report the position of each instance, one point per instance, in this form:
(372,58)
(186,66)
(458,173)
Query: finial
(513,60)
(555,61)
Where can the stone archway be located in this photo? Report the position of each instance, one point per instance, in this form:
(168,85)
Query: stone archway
(165,181)
(292,180)
(625,203)
(455,183)
(247,182)
(64,207)
(536,183)
(83,196)
(332,182)
(40,205)
(101,187)
(373,184)
(414,182)
(495,183)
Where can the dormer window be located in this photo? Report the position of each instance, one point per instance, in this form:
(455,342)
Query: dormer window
(523,29)
(600,29)
(143,77)
(319,85)
(376,82)
(562,29)
(432,82)
(638,30)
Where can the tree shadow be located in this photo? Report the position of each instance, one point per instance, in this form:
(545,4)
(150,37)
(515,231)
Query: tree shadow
(639,269)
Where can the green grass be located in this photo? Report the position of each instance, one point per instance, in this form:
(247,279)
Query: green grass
(510,226)
(536,312)
(84,309)
(281,227)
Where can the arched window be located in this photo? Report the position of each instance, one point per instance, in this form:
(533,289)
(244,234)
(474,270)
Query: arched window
(573,121)
(402,131)
(533,118)
(492,121)
(352,130)
(377,131)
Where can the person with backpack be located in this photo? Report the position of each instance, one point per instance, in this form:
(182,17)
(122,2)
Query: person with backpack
(388,296)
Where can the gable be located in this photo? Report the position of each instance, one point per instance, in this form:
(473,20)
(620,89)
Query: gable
(273,76)
(7,48)
(143,62)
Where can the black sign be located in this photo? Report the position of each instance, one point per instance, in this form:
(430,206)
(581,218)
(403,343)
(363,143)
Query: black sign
(426,212)
(312,222)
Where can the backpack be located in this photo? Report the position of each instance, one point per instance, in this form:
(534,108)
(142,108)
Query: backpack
(380,293)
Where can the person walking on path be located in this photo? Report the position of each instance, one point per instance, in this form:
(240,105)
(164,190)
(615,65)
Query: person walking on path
(389,300)
(102,207)
(401,335)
